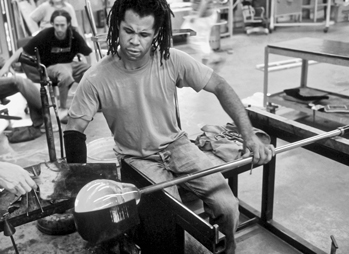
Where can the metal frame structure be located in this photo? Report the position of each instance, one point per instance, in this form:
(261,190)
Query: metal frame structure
(9,29)
(327,23)
(164,219)
(307,49)
(335,149)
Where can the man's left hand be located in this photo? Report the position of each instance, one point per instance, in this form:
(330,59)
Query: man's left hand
(262,153)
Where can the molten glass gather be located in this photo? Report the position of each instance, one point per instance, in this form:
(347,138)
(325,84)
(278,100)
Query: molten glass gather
(102,193)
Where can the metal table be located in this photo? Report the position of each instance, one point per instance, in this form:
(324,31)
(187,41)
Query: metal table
(324,51)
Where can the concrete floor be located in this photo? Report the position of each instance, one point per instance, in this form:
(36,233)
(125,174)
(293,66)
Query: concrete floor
(311,192)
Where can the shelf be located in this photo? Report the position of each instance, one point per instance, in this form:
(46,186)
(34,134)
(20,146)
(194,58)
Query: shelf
(282,9)
(302,106)
(307,49)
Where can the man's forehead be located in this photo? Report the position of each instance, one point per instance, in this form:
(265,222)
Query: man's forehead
(132,18)
(60,19)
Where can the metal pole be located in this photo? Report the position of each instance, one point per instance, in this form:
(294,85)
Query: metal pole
(46,107)
(242,162)
(48,124)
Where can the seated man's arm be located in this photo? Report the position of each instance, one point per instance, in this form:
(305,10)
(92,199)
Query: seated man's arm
(232,105)
(10,61)
(84,49)
(75,140)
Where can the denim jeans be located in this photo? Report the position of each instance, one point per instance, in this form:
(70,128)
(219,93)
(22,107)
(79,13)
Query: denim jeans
(183,157)
(30,91)
(66,74)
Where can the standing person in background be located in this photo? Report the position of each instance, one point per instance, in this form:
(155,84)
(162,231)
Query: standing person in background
(202,18)
(42,14)
(58,46)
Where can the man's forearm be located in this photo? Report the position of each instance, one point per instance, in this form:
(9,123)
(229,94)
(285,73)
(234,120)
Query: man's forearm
(10,61)
(232,105)
(202,7)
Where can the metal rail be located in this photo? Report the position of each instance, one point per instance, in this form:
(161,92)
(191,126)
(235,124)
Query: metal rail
(242,162)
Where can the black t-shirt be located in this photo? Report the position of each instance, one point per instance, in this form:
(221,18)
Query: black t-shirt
(53,51)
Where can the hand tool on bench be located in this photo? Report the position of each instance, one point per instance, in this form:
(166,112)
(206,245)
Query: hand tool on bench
(27,203)
(36,195)
(103,205)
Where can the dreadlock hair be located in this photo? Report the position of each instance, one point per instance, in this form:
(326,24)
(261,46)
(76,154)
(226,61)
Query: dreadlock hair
(161,11)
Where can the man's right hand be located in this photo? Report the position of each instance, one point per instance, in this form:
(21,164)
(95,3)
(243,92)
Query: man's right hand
(15,179)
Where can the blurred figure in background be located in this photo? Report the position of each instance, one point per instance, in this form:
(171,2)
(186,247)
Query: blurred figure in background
(203,17)
(42,14)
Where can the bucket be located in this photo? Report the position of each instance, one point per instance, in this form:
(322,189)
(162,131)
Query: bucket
(101,151)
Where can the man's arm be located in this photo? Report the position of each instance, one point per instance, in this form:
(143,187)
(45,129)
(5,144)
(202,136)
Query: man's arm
(10,61)
(76,124)
(203,7)
(74,140)
(232,105)
(84,50)
(15,179)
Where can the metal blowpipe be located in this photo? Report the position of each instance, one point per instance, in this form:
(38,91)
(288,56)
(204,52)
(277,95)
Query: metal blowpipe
(242,162)
(128,191)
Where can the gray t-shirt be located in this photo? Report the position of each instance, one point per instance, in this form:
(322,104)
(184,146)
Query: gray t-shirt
(139,104)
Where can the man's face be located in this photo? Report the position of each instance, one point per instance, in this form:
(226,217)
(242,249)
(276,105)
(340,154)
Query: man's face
(60,25)
(135,36)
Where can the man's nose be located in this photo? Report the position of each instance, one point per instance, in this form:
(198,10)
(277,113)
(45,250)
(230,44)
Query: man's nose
(135,39)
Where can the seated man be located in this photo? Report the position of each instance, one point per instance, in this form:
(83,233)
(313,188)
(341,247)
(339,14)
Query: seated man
(57,46)
(30,91)
(135,86)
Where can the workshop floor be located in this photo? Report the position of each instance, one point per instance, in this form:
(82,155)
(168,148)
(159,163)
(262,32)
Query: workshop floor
(311,192)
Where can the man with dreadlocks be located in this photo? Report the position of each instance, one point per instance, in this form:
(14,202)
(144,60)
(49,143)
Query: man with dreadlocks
(134,87)
(58,46)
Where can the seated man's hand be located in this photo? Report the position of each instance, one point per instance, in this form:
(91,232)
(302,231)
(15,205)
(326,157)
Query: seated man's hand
(15,179)
(262,153)
(81,58)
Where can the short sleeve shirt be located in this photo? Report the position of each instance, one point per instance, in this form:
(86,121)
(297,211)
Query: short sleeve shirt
(53,51)
(139,104)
